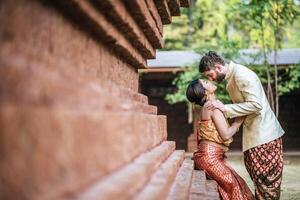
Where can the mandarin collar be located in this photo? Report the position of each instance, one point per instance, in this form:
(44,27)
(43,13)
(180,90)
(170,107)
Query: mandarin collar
(229,70)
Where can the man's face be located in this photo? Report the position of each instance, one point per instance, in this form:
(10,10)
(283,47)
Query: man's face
(214,75)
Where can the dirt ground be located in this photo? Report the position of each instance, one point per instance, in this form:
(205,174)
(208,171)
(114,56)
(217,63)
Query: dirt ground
(290,187)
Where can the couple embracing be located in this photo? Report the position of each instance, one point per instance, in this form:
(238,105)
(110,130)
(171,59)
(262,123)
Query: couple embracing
(262,144)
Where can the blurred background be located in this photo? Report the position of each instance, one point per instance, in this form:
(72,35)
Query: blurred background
(263,35)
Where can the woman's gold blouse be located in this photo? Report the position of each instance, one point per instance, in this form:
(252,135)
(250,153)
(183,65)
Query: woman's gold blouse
(207,131)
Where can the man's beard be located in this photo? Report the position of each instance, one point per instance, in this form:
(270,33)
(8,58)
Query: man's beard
(220,77)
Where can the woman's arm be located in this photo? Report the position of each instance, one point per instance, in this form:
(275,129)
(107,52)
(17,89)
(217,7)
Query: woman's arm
(225,131)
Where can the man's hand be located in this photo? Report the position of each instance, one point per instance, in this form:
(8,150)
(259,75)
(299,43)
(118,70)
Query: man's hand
(215,104)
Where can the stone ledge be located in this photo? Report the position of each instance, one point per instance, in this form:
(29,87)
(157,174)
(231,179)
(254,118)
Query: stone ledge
(185,3)
(43,33)
(181,187)
(96,23)
(212,190)
(162,120)
(198,187)
(161,181)
(117,13)
(143,17)
(125,182)
(164,11)
(154,13)
(71,146)
(174,6)
(34,84)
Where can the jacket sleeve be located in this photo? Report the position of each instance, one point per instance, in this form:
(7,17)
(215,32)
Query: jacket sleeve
(251,89)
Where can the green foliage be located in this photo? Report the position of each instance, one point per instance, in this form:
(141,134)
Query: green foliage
(289,80)
(230,25)
(184,79)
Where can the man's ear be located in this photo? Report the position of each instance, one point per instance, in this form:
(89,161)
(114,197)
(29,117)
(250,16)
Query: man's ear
(219,67)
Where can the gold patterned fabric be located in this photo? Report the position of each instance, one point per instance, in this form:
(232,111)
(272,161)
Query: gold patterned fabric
(208,131)
(211,159)
(265,165)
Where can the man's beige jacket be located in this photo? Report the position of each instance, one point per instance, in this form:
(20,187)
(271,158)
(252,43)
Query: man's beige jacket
(249,99)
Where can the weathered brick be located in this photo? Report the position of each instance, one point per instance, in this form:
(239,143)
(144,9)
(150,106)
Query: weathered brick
(163,125)
(41,33)
(154,13)
(198,187)
(161,181)
(174,6)
(181,187)
(164,11)
(33,83)
(212,190)
(108,32)
(74,147)
(142,15)
(185,3)
(127,181)
(116,12)
(70,111)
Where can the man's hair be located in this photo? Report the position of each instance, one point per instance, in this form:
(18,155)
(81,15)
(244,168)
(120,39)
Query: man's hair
(209,60)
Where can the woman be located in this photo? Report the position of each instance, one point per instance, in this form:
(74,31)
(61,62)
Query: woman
(214,137)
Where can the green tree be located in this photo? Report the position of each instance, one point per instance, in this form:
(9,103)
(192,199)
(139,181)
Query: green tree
(228,26)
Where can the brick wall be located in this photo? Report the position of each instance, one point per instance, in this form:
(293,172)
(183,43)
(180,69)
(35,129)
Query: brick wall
(156,86)
(70,111)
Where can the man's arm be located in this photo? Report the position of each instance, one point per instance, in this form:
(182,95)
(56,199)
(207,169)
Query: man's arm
(250,88)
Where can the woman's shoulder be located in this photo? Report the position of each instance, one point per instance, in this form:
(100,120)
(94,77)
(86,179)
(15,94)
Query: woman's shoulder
(206,112)
(213,113)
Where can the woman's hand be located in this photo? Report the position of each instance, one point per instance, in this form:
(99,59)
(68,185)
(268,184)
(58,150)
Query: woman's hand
(238,122)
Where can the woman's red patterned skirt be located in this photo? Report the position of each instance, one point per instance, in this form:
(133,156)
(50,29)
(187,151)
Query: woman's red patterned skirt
(211,159)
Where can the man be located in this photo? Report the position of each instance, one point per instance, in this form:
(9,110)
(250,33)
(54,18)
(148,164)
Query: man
(262,144)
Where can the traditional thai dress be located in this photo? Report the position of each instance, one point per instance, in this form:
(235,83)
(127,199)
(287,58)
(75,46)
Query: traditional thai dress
(262,144)
(210,157)
(264,163)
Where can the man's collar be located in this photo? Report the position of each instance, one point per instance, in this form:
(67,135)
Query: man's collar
(229,70)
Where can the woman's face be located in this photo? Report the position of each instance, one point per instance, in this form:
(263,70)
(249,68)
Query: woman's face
(209,86)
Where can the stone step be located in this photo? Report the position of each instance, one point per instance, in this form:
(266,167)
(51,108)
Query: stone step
(126,93)
(162,125)
(70,145)
(160,183)
(164,11)
(125,182)
(117,13)
(143,17)
(181,187)
(101,27)
(212,190)
(198,187)
(38,85)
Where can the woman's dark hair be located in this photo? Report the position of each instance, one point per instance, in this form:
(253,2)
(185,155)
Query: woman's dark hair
(209,60)
(195,93)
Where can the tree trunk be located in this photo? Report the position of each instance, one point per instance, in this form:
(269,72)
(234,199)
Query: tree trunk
(266,64)
(275,61)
